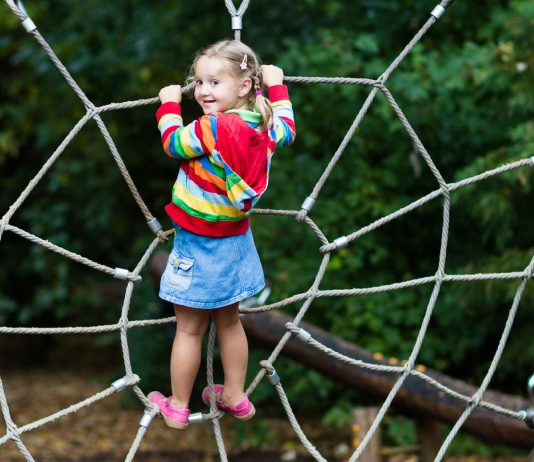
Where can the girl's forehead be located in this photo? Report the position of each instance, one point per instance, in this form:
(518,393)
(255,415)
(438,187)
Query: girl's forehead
(211,65)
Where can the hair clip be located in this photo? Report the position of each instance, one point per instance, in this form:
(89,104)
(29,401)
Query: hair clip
(244,64)
(259,93)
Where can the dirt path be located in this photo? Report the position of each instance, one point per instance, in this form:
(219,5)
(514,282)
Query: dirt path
(104,432)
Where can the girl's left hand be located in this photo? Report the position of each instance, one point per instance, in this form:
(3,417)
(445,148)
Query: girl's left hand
(271,75)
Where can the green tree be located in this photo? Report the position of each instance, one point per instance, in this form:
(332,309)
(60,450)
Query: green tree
(466,89)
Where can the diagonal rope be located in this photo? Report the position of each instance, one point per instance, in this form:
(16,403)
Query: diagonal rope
(267,370)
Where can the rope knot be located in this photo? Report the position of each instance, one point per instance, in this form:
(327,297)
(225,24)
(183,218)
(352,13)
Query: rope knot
(13,430)
(440,275)
(272,376)
(162,236)
(301,216)
(292,328)
(267,366)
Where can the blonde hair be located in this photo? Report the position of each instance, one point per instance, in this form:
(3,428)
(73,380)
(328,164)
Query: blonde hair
(236,53)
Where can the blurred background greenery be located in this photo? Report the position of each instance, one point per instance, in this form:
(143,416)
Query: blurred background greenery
(466,89)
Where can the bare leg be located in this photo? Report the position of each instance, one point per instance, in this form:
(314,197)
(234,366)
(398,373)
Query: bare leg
(234,352)
(191,325)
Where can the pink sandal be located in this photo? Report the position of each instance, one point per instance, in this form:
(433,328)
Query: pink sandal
(244,410)
(173,417)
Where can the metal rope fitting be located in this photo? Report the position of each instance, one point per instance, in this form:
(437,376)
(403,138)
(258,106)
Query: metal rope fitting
(438,11)
(196,418)
(308,204)
(304,335)
(237,23)
(154,225)
(529,413)
(273,378)
(28,24)
(341,242)
(121,273)
(146,420)
(119,385)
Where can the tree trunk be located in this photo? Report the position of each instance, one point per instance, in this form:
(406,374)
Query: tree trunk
(415,397)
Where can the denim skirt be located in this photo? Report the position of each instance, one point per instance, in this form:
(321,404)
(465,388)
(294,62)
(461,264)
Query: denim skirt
(211,272)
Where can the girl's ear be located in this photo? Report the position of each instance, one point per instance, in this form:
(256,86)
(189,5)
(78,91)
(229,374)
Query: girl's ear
(245,87)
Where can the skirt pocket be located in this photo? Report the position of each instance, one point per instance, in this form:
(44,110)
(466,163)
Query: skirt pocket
(179,271)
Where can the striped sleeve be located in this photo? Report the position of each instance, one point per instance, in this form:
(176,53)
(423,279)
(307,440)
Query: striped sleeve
(283,117)
(184,142)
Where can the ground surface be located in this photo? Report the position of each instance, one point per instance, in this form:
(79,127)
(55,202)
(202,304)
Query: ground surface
(105,431)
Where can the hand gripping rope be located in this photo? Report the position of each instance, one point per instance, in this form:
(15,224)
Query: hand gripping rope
(402,372)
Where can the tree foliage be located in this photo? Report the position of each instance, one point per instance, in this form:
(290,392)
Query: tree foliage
(466,90)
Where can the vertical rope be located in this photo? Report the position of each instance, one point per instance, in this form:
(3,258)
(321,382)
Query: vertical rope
(131,380)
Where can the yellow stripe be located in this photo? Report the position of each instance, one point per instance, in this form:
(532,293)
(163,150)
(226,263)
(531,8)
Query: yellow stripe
(185,138)
(203,205)
(281,102)
(166,117)
(236,190)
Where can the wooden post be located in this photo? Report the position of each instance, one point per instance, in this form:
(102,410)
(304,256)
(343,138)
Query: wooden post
(430,436)
(362,419)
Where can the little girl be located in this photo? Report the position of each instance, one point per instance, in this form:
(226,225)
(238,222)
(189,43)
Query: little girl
(225,157)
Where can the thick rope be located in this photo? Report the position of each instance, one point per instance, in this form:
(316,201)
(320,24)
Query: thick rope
(408,369)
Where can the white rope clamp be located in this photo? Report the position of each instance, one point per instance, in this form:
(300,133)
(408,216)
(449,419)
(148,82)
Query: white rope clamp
(237,23)
(28,24)
(304,335)
(154,225)
(146,420)
(197,417)
(528,414)
(438,11)
(341,242)
(121,273)
(308,204)
(532,161)
(119,384)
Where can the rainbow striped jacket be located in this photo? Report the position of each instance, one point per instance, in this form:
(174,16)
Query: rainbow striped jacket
(225,162)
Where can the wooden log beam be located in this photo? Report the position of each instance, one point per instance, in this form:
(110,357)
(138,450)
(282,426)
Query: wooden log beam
(415,397)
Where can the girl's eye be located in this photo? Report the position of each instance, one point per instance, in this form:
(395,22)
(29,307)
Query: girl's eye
(215,82)
(198,83)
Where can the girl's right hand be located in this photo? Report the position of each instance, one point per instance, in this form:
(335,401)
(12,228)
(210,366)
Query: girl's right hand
(170,93)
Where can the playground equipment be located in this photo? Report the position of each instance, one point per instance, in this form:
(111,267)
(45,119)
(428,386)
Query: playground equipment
(471,401)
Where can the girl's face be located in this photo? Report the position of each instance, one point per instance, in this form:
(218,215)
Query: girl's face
(216,89)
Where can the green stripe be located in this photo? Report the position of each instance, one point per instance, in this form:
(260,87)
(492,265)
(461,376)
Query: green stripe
(247,116)
(204,215)
(232,180)
(218,170)
(177,144)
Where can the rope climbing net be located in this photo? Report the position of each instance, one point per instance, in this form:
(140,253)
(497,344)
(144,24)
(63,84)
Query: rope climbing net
(267,370)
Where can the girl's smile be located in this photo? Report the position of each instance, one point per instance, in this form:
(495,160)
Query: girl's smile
(216,89)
